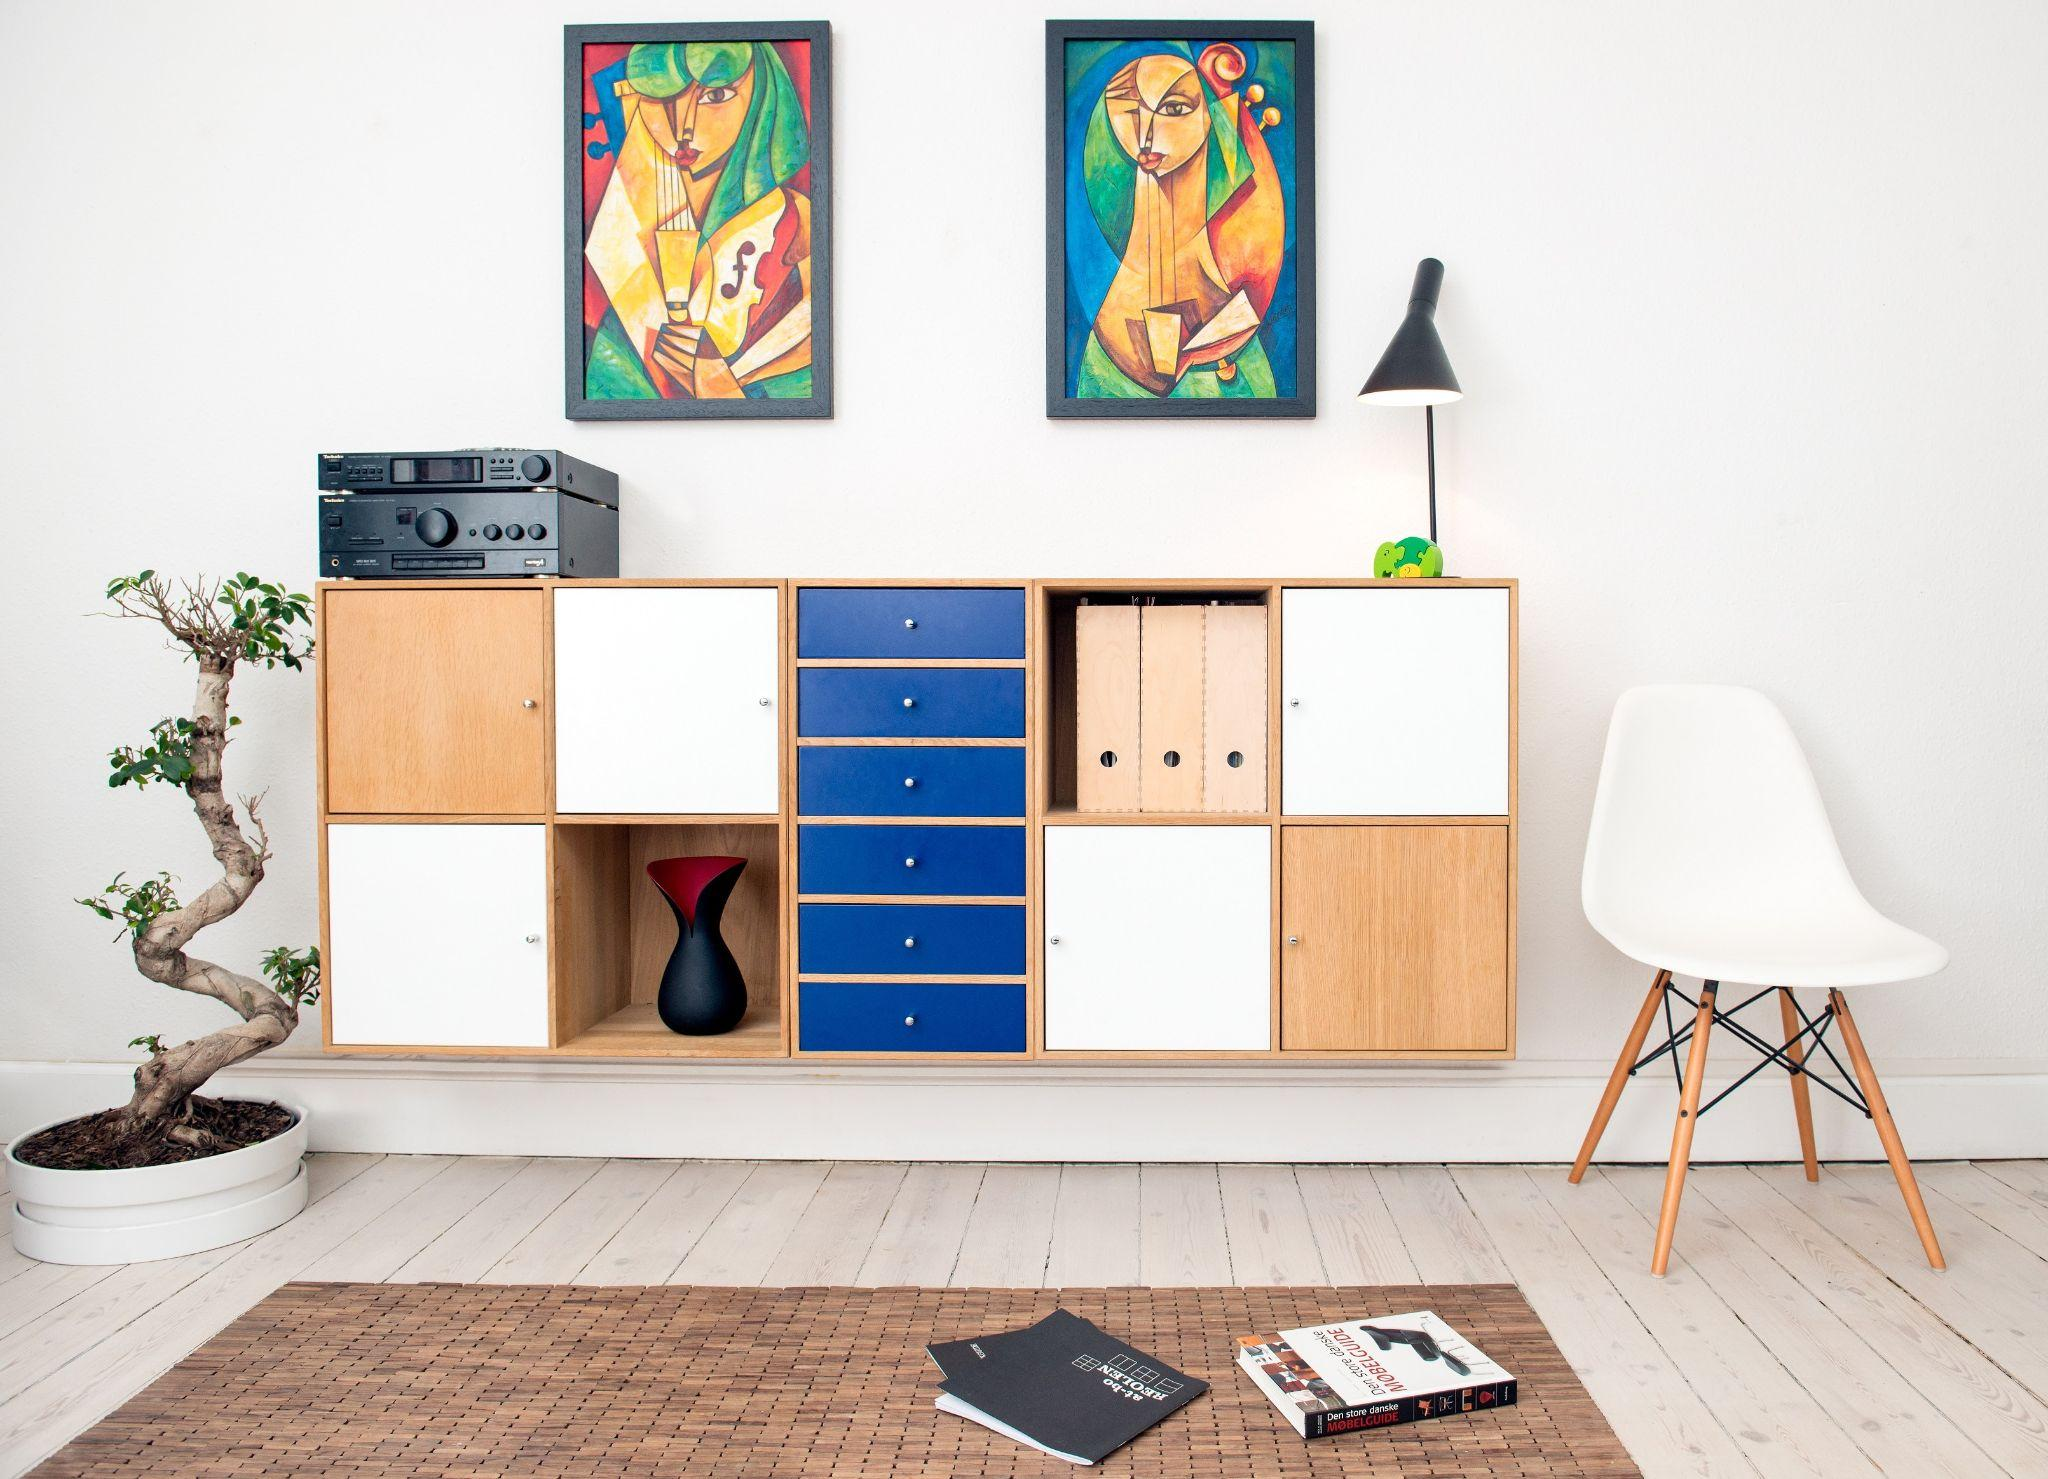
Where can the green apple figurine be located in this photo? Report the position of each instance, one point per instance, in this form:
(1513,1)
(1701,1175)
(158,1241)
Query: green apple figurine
(1410,557)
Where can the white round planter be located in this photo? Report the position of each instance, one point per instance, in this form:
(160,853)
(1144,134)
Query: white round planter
(156,1211)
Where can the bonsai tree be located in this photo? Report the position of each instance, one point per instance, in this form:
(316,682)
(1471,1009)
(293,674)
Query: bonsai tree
(219,625)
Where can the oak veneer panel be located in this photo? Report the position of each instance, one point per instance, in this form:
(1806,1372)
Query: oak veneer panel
(1399,938)
(1170,708)
(1234,710)
(1106,708)
(425,701)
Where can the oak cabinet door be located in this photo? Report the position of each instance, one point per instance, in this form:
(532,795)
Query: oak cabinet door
(1395,701)
(433,701)
(1158,938)
(437,935)
(1394,938)
(665,700)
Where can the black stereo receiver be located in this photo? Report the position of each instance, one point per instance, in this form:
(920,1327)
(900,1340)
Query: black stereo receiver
(429,533)
(469,469)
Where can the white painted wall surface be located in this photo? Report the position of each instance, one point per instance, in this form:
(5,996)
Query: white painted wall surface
(1747,300)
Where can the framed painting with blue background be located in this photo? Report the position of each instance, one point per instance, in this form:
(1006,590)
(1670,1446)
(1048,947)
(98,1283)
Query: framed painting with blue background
(1180,218)
(697,204)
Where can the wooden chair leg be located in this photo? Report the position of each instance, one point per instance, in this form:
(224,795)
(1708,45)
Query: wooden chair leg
(1617,1079)
(1802,1098)
(1681,1135)
(1881,1113)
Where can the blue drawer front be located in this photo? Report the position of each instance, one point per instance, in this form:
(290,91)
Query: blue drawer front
(980,862)
(910,939)
(908,621)
(927,703)
(868,781)
(909,1017)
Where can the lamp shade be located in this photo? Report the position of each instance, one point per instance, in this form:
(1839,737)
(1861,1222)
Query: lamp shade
(1415,371)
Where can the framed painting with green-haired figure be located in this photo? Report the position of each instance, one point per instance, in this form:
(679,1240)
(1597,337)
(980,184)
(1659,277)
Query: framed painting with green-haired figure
(1180,218)
(698,215)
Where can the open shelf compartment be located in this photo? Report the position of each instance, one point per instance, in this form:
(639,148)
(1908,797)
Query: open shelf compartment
(613,933)
(1155,685)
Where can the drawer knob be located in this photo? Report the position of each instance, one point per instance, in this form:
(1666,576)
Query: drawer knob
(909,703)
(910,1021)
(910,942)
(764,703)
(1294,939)
(910,862)
(1055,940)
(1294,703)
(909,781)
(909,623)
(527,703)
(533,939)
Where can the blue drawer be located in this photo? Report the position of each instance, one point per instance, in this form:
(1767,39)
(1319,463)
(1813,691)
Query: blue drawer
(926,703)
(912,621)
(975,861)
(942,781)
(910,939)
(908,1017)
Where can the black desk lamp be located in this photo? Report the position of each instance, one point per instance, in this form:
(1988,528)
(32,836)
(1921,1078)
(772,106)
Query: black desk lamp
(1415,371)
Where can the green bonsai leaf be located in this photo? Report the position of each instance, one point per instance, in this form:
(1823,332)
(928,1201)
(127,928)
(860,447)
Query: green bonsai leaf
(135,905)
(154,1042)
(266,618)
(294,974)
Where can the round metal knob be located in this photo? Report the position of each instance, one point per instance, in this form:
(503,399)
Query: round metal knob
(910,862)
(910,1021)
(763,702)
(910,942)
(910,703)
(1294,939)
(909,780)
(909,623)
(533,939)
(527,703)
(1294,703)
(1055,940)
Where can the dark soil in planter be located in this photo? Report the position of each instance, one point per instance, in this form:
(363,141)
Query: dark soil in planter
(98,1143)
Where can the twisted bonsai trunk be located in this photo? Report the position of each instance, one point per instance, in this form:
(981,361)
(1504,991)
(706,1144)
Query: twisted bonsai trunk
(217,625)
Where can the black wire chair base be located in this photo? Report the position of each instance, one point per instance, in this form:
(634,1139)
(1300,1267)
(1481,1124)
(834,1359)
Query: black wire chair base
(1813,1033)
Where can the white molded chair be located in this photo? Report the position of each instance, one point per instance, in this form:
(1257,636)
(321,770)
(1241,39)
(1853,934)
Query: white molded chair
(1710,855)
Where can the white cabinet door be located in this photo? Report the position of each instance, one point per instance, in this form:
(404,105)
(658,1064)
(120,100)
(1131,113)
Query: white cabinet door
(1395,701)
(437,935)
(665,700)
(1158,937)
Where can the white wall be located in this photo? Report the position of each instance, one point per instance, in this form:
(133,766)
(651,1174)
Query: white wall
(1747,299)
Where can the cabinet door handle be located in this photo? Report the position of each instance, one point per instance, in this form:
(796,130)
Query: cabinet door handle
(1294,703)
(909,703)
(909,781)
(527,703)
(764,703)
(1054,940)
(533,939)
(909,623)
(910,862)
(910,942)
(910,1021)
(1294,939)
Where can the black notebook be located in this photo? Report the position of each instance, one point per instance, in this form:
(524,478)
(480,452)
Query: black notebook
(1062,1386)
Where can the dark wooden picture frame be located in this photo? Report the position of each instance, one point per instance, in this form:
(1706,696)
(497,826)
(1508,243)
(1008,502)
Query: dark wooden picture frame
(600,128)
(1297,253)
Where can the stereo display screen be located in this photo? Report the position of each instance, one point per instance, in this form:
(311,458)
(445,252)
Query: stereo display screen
(436,469)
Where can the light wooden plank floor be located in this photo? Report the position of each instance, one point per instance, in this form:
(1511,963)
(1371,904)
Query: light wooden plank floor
(1799,1332)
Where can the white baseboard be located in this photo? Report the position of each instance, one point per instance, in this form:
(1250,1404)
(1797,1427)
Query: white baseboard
(1522,1111)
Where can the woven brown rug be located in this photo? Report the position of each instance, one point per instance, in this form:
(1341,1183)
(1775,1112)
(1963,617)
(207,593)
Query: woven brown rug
(451,1379)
